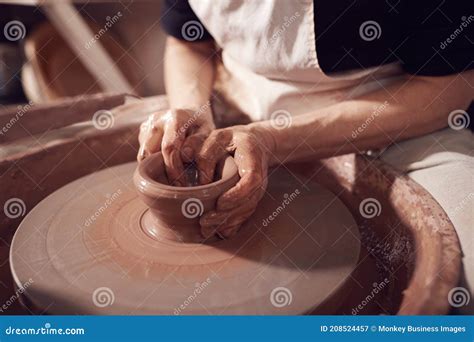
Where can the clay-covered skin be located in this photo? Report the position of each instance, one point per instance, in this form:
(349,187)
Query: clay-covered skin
(177,134)
(251,155)
(250,146)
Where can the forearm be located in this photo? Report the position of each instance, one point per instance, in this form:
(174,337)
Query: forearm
(405,109)
(189,73)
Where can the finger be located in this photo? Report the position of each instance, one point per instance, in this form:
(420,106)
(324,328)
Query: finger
(226,224)
(230,232)
(208,231)
(196,135)
(224,219)
(150,137)
(171,149)
(250,185)
(212,151)
(253,179)
(191,146)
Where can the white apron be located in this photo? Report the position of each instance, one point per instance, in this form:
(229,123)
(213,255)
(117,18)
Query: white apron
(270,60)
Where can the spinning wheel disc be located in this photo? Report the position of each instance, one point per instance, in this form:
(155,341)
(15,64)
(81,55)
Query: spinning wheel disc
(86,252)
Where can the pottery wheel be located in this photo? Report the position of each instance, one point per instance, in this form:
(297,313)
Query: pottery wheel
(82,250)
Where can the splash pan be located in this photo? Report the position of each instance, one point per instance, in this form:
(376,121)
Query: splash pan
(89,241)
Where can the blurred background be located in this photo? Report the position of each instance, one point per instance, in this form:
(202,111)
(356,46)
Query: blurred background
(50,50)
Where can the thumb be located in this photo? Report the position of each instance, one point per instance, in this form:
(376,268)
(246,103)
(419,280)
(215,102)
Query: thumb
(191,146)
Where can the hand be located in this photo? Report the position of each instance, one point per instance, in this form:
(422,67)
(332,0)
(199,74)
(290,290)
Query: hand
(178,134)
(251,148)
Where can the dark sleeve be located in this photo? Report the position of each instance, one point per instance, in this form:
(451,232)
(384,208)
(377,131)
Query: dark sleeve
(180,21)
(439,38)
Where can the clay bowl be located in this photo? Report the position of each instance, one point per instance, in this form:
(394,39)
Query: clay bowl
(175,211)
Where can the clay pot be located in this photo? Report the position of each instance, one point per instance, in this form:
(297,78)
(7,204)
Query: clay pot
(175,211)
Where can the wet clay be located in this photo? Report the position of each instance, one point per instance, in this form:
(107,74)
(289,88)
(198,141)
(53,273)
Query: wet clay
(175,211)
(92,235)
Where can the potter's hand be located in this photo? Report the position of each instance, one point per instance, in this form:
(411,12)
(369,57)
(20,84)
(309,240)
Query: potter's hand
(178,134)
(251,148)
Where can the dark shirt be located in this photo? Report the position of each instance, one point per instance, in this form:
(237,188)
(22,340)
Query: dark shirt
(428,37)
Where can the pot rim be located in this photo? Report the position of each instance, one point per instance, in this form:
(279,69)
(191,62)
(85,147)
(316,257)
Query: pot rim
(149,187)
